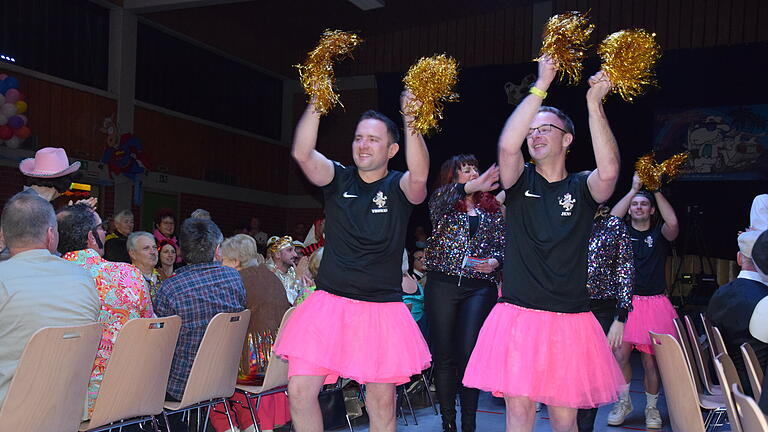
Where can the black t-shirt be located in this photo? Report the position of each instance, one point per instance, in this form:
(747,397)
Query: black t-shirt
(547,232)
(649,249)
(365,230)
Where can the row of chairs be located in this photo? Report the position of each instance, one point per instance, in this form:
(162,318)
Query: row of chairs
(690,393)
(47,392)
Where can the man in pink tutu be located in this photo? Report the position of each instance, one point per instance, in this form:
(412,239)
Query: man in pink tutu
(652,310)
(355,324)
(541,343)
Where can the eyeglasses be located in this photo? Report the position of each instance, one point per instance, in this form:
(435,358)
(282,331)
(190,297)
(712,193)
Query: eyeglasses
(544,129)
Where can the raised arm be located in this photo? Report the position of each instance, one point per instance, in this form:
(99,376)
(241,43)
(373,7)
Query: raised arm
(414,181)
(516,127)
(620,209)
(317,168)
(670,229)
(602,180)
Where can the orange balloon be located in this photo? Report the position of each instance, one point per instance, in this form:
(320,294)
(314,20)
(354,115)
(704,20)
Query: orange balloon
(23,132)
(21,107)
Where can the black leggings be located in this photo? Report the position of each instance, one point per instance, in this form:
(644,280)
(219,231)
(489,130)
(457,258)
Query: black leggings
(585,418)
(455,315)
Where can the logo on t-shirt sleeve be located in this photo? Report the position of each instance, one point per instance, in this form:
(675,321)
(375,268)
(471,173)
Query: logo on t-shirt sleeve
(381,202)
(567,202)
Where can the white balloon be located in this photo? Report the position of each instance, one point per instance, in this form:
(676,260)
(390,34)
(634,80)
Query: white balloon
(3,119)
(8,109)
(14,142)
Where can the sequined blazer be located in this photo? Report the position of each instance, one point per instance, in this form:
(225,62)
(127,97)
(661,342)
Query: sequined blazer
(611,268)
(450,242)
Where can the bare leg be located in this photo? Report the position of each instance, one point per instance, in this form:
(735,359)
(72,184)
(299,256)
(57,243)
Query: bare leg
(651,378)
(521,413)
(622,355)
(380,402)
(305,408)
(562,419)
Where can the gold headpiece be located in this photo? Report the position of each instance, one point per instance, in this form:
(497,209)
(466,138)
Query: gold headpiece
(280,243)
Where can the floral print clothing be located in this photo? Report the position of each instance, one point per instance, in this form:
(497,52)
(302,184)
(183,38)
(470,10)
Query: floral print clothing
(123,296)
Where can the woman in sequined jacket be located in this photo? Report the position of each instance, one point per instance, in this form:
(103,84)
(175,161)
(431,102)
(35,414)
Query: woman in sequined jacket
(463,259)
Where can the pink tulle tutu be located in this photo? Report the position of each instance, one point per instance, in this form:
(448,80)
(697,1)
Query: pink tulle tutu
(559,359)
(364,341)
(649,313)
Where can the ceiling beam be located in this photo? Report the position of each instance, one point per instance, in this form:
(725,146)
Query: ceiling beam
(148,6)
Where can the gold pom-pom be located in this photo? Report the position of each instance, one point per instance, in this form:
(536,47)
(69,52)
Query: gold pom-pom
(629,58)
(316,74)
(431,80)
(651,173)
(565,41)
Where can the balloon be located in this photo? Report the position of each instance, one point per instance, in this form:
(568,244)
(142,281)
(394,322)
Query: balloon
(14,142)
(2,100)
(12,95)
(5,132)
(24,118)
(3,86)
(3,76)
(15,122)
(11,82)
(3,119)
(8,109)
(23,132)
(21,107)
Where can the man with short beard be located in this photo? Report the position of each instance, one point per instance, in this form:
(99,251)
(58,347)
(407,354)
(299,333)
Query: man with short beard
(281,260)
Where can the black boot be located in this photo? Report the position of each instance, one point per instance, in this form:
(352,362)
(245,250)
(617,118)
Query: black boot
(449,419)
(468,398)
(468,418)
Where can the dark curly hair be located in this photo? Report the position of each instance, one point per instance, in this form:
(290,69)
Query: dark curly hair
(75,222)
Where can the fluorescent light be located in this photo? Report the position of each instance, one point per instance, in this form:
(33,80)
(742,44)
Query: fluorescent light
(368,4)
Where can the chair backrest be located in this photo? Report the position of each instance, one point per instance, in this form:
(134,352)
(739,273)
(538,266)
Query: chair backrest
(700,355)
(682,336)
(135,380)
(47,393)
(276,374)
(726,373)
(754,369)
(714,347)
(751,417)
(718,340)
(214,371)
(682,398)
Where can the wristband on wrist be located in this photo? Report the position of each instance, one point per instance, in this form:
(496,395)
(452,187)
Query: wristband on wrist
(538,92)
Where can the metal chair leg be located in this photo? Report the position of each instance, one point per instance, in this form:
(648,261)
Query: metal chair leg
(167,425)
(429,393)
(410,407)
(229,417)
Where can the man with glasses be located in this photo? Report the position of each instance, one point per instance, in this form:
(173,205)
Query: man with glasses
(541,343)
(120,285)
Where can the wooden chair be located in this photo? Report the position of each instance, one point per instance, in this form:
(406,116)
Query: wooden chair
(682,399)
(682,336)
(754,369)
(133,388)
(213,374)
(47,392)
(275,378)
(751,417)
(726,373)
(716,345)
(700,356)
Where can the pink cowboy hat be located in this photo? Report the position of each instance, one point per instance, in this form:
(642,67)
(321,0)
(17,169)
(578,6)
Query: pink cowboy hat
(48,162)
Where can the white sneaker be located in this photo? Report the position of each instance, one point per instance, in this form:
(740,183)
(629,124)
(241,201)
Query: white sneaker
(619,412)
(652,418)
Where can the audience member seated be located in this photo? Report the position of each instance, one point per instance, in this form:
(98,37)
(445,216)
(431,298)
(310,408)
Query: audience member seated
(166,265)
(37,288)
(313,265)
(255,231)
(734,305)
(281,258)
(115,248)
(143,252)
(198,291)
(119,285)
(265,297)
(165,226)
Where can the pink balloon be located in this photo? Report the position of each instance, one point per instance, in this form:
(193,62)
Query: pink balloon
(3,76)
(12,95)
